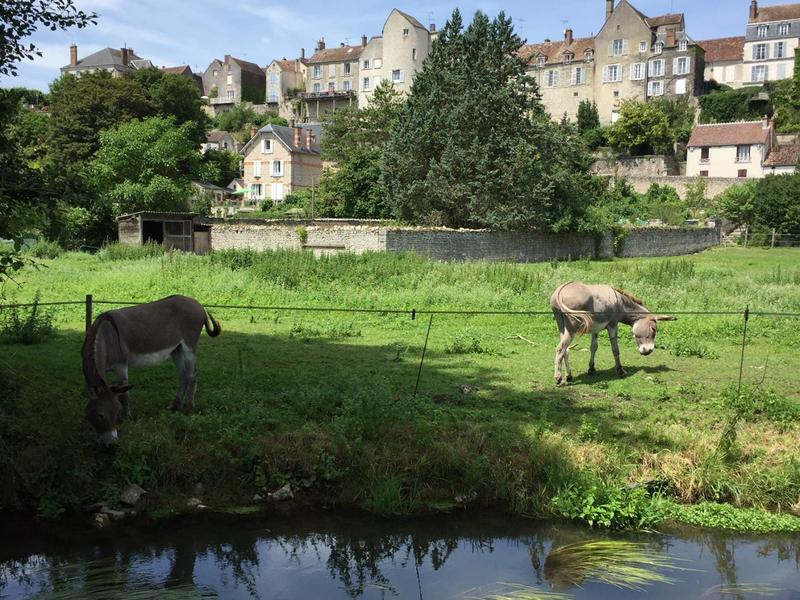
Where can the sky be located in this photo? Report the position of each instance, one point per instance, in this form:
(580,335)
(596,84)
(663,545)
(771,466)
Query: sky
(178,32)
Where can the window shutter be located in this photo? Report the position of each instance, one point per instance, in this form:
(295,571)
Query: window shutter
(625,47)
(611,48)
(574,80)
(605,74)
(766,51)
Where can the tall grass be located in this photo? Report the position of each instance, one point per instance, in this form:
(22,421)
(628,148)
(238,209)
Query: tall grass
(119,251)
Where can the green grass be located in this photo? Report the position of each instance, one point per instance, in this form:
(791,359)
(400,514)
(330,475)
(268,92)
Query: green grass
(324,400)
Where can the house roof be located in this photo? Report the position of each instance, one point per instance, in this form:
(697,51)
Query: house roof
(412,20)
(285,64)
(234,182)
(783,156)
(340,54)
(661,20)
(209,186)
(286,137)
(722,49)
(245,65)
(107,57)
(729,134)
(554,51)
(217,135)
(782,12)
(181,70)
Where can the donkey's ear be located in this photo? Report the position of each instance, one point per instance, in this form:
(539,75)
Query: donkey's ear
(666,318)
(121,389)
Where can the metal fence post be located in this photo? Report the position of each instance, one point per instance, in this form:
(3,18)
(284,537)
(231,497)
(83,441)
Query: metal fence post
(424,349)
(88,312)
(744,343)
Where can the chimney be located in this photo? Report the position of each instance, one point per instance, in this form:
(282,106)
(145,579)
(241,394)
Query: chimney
(363,40)
(753,10)
(253,132)
(292,123)
(73,55)
(227,59)
(547,40)
(309,138)
(302,53)
(609,9)
(568,36)
(124,56)
(298,132)
(321,44)
(671,37)
(433,27)
(131,53)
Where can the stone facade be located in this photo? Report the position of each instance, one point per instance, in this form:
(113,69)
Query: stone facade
(638,166)
(285,78)
(232,81)
(714,185)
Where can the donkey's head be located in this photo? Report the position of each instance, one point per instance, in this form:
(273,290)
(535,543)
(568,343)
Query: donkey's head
(104,411)
(644,332)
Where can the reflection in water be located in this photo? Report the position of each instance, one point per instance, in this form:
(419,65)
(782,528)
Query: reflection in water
(469,556)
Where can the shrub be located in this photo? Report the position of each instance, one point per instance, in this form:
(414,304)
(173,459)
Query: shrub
(606,505)
(118,251)
(45,249)
(26,325)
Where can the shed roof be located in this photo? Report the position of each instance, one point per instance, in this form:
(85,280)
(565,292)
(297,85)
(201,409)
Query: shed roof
(783,156)
(155,215)
(729,134)
(723,49)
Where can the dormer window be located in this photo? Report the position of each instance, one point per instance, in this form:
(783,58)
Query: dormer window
(683,45)
(659,47)
(762,31)
(568,57)
(588,55)
(783,28)
(540,60)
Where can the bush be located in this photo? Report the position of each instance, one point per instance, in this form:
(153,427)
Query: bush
(733,105)
(45,249)
(606,505)
(26,325)
(118,251)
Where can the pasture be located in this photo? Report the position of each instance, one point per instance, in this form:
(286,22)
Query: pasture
(325,401)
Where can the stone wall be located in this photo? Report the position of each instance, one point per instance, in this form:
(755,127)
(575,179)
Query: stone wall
(335,235)
(637,166)
(714,185)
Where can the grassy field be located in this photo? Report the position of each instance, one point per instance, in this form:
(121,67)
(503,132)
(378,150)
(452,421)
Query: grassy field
(325,401)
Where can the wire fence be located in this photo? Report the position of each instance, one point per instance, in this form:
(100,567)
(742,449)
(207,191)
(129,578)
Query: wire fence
(89,303)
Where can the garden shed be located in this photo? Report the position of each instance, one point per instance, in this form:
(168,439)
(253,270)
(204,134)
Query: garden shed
(173,230)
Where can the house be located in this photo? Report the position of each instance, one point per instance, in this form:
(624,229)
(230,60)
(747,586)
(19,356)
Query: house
(633,57)
(782,160)
(117,62)
(286,79)
(332,74)
(281,160)
(186,71)
(773,34)
(219,140)
(725,60)
(731,150)
(232,81)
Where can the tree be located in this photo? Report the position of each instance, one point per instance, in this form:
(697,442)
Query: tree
(82,107)
(241,117)
(473,145)
(726,106)
(227,164)
(588,117)
(737,203)
(21,18)
(642,128)
(776,203)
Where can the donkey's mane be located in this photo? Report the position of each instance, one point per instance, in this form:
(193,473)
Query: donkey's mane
(628,295)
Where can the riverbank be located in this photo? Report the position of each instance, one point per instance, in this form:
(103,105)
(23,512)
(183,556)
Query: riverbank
(325,403)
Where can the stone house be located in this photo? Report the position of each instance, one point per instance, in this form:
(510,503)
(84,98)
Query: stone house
(773,34)
(286,79)
(117,62)
(731,150)
(725,60)
(331,79)
(219,140)
(280,160)
(186,71)
(232,81)
(782,160)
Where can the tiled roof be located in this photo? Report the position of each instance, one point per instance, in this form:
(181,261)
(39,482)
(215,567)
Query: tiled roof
(286,135)
(671,19)
(783,12)
(216,135)
(103,58)
(729,134)
(783,156)
(721,49)
(182,70)
(412,20)
(286,65)
(245,65)
(340,54)
(554,51)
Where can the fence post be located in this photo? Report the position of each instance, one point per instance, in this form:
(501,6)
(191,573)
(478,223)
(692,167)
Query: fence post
(88,312)
(745,237)
(744,343)
(424,349)
(772,245)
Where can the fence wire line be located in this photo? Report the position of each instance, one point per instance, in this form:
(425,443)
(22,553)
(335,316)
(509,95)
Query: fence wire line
(414,312)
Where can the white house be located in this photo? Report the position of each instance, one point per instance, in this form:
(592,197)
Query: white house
(730,149)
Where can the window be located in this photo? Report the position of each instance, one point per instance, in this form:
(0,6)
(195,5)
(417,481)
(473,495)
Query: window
(552,78)
(656,68)
(256,168)
(642,46)
(277,168)
(568,58)
(760,52)
(617,47)
(347,86)
(616,93)
(759,73)
(705,153)
(614,115)
(255,190)
(655,88)
(266,146)
(588,55)
(397,76)
(231,94)
(783,28)
(331,70)
(742,173)
(413,54)
(377,63)
(780,49)
(578,76)
(612,74)
(215,73)
(680,86)
(743,153)
(317,71)
(347,68)
(703,173)
(317,88)
(229,80)
(637,71)
(782,71)
(366,64)
(405,32)
(541,60)
(365,84)
(683,45)
(331,86)
(762,31)
(659,47)
(680,66)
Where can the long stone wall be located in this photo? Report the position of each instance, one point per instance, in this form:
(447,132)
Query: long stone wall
(655,165)
(332,236)
(714,185)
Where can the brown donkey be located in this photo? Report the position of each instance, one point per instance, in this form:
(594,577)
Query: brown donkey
(136,336)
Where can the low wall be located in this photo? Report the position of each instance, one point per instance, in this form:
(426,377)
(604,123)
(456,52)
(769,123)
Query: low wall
(626,166)
(714,185)
(332,236)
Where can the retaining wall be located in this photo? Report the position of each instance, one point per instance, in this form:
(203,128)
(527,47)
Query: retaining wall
(714,185)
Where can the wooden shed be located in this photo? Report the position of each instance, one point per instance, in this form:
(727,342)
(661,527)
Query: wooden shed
(175,231)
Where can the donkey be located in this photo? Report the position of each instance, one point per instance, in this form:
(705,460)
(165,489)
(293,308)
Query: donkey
(580,308)
(136,336)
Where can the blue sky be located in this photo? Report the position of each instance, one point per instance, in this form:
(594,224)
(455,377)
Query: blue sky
(174,32)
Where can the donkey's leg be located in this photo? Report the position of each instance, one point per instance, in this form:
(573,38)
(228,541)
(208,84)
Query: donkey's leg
(121,372)
(612,336)
(189,375)
(566,359)
(593,351)
(179,358)
(561,356)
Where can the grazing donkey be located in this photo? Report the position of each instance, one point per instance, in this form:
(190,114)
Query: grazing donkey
(136,336)
(580,308)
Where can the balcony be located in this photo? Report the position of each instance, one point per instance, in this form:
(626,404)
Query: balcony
(222,100)
(328,94)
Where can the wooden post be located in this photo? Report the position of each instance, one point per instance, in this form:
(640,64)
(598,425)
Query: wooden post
(772,245)
(88,312)
(745,237)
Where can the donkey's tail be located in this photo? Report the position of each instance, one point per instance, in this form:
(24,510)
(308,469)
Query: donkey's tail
(581,318)
(212,325)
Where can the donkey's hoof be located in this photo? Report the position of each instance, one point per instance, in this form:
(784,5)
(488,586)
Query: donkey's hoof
(558,379)
(591,371)
(176,407)
(187,410)
(569,378)
(622,373)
